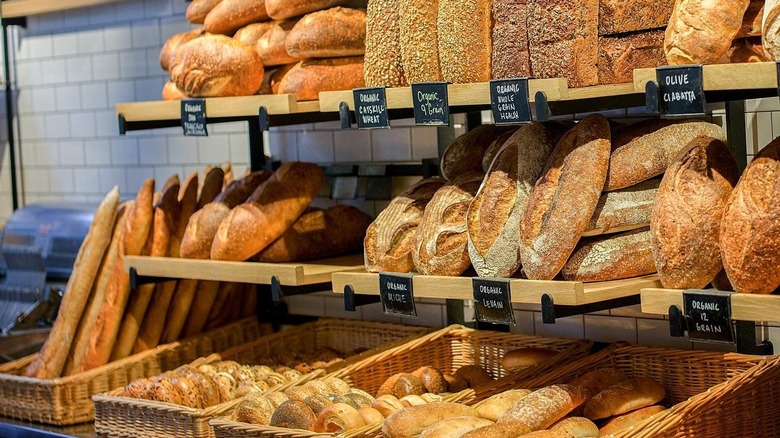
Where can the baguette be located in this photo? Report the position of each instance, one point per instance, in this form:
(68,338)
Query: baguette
(212,186)
(623,397)
(230,15)
(624,210)
(464,30)
(543,407)
(629,420)
(227,293)
(383,64)
(274,207)
(188,204)
(611,257)
(272,45)
(419,40)
(574,175)
(50,361)
(179,309)
(414,419)
(199,9)
(327,34)
(199,311)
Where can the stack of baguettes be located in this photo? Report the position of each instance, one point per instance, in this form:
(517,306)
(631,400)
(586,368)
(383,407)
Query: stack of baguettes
(555,198)
(296,47)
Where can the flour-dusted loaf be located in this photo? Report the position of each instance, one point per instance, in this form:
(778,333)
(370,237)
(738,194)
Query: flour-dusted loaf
(623,16)
(624,210)
(440,243)
(644,150)
(564,198)
(611,257)
(198,9)
(750,229)
(543,407)
(466,152)
(383,45)
(217,66)
(252,33)
(283,9)
(687,214)
(563,40)
(498,208)
(509,56)
(168,51)
(626,396)
(171,92)
(230,15)
(420,40)
(464,29)
(327,34)
(272,45)
(701,31)
(620,55)
(309,77)
(390,238)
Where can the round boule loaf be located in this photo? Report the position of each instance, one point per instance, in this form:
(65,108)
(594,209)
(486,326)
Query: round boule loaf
(168,51)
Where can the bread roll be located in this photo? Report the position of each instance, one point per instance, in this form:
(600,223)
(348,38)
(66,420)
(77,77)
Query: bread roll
(168,51)
(623,397)
(700,31)
(217,66)
(624,210)
(620,55)
(574,175)
(749,245)
(474,375)
(464,30)
(308,78)
(198,9)
(383,45)
(274,207)
(229,15)
(611,257)
(387,404)
(631,419)
(432,378)
(646,149)
(685,227)
(494,407)
(543,407)
(293,414)
(339,417)
(171,92)
(521,358)
(419,40)
(504,430)
(283,9)
(412,400)
(509,54)
(390,238)
(466,152)
(271,46)
(371,416)
(254,409)
(593,382)
(328,34)
(252,33)
(413,420)
(454,427)
(576,427)
(493,219)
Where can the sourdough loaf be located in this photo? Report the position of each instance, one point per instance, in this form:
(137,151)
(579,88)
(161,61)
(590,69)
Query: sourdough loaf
(168,51)
(216,66)
(495,146)
(252,33)
(466,152)
(620,55)
(440,244)
(327,34)
(701,31)
(383,45)
(464,30)
(390,238)
(271,46)
(230,15)
(278,74)
(749,243)
(685,225)
(509,55)
(309,77)
(611,257)
(770,28)
(283,9)
(574,175)
(494,217)
(624,210)
(198,9)
(623,16)
(751,21)
(748,50)
(419,40)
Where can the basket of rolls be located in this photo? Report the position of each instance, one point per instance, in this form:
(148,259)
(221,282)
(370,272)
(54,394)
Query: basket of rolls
(214,385)
(451,364)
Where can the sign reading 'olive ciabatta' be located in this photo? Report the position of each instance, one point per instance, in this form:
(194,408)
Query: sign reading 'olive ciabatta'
(680,90)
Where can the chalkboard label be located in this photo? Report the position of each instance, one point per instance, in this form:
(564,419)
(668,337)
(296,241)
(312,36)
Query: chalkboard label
(395,291)
(371,108)
(431,106)
(681,90)
(509,101)
(193,117)
(708,313)
(493,301)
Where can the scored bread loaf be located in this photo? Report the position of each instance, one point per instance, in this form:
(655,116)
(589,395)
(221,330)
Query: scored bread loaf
(623,16)
(414,419)
(168,51)
(274,207)
(383,65)
(509,54)
(390,238)
(309,77)
(441,241)
(327,34)
(251,33)
(317,234)
(216,66)
(466,152)
(646,149)
(574,176)
(620,55)
(419,40)
(198,9)
(495,406)
(171,92)
(700,32)
(685,226)
(626,396)
(283,9)
(593,382)
(494,217)
(271,46)
(230,15)
(611,257)
(624,210)
(749,230)
(543,407)
(464,30)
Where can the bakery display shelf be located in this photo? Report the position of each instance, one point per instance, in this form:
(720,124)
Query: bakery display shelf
(25,8)
(557,298)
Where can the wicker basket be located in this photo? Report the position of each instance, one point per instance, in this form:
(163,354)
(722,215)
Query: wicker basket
(447,349)
(126,417)
(66,400)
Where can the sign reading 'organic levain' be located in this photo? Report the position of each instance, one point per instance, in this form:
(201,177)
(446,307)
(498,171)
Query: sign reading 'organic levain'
(509,101)
(708,313)
(431,106)
(493,301)
(193,117)
(371,108)
(395,291)
(681,90)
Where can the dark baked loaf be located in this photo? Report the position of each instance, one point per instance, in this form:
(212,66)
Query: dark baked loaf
(466,152)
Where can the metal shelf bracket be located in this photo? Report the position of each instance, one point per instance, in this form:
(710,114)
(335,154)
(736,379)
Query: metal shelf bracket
(552,311)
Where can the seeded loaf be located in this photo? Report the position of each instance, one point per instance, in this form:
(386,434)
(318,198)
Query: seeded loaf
(620,55)
(543,407)
(493,219)
(611,257)
(383,64)
(252,33)
(464,29)
(283,9)
(465,154)
(420,40)
(623,16)
(701,31)
(309,77)
(509,54)
(230,15)
(326,34)
(624,210)
(272,45)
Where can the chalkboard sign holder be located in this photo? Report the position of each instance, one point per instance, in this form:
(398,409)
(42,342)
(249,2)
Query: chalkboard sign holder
(371,108)
(509,101)
(708,315)
(397,295)
(431,104)
(265,121)
(493,300)
(193,117)
(679,91)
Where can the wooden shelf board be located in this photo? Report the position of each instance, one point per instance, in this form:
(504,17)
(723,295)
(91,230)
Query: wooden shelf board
(216,107)
(744,307)
(25,8)
(570,293)
(289,274)
(722,77)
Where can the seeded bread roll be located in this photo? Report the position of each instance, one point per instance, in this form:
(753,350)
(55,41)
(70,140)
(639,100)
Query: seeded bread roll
(624,210)
(509,56)
(464,30)
(251,33)
(419,40)
(168,51)
(611,257)
(700,31)
(283,9)
(309,77)
(331,33)
(230,15)
(383,45)
(294,414)
(199,9)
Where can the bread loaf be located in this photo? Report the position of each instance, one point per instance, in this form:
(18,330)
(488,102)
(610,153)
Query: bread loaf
(620,55)
(748,50)
(494,217)
(770,28)
(50,361)
(455,426)
(198,9)
(543,407)
(251,34)
(212,186)
(277,74)
(309,77)
(700,32)
(283,9)
(390,238)
(574,175)
(752,20)
(611,257)
(326,34)
(593,382)
(317,234)
(750,248)
(569,29)
(624,210)
(273,208)
(646,149)
(623,397)
(413,420)
(495,406)
(419,40)
(206,292)
(685,226)
(623,16)
(629,420)
(230,15)
(519,359)
(171,92)
(464,29)
(466,152)
(271,46)
(576,427)
(168,51)
(495,146)
(509,55)
(216,66)
(441,241)
(383,65)
(188,203)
